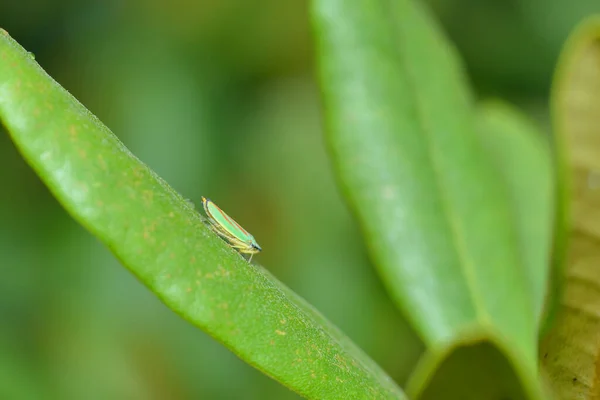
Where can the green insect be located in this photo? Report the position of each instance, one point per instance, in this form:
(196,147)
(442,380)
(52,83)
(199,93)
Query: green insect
(224,226)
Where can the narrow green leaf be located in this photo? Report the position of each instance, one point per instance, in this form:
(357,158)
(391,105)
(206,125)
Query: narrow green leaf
(522,157)
(576,114)
(570,351)
(164,242)
(574,105)
(432,206)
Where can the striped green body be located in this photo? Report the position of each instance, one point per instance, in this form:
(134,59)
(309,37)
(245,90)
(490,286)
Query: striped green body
(224,226)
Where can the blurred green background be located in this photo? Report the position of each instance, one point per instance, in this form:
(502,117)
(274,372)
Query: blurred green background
(219,97)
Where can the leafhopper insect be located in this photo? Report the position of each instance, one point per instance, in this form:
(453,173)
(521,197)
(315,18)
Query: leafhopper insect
(224,226)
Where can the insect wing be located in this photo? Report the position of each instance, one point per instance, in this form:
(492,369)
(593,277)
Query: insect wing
(226,224)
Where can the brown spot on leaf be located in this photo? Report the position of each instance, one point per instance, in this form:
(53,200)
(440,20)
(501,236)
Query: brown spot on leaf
(73,132)
(101,162)
(148,196)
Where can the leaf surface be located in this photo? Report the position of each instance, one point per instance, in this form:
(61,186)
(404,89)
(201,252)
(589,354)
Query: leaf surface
(522,156)
(570,352)
(432,206)
(160,238)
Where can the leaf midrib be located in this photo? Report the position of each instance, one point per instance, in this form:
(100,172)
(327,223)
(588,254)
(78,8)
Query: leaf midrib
(465,260)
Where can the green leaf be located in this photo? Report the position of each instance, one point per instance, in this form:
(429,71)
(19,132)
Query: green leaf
(164,242)
(576,117)
(569,352)
(575,101)
(522,157)
(432,206)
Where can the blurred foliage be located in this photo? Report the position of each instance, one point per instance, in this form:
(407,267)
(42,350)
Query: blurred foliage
(460,232)
(570,352)
(218,97)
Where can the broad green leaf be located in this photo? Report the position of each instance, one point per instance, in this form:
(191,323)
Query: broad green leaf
(432,206)
(164,242)
(570,351)
(574,107)
(576,113)
(522,157)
